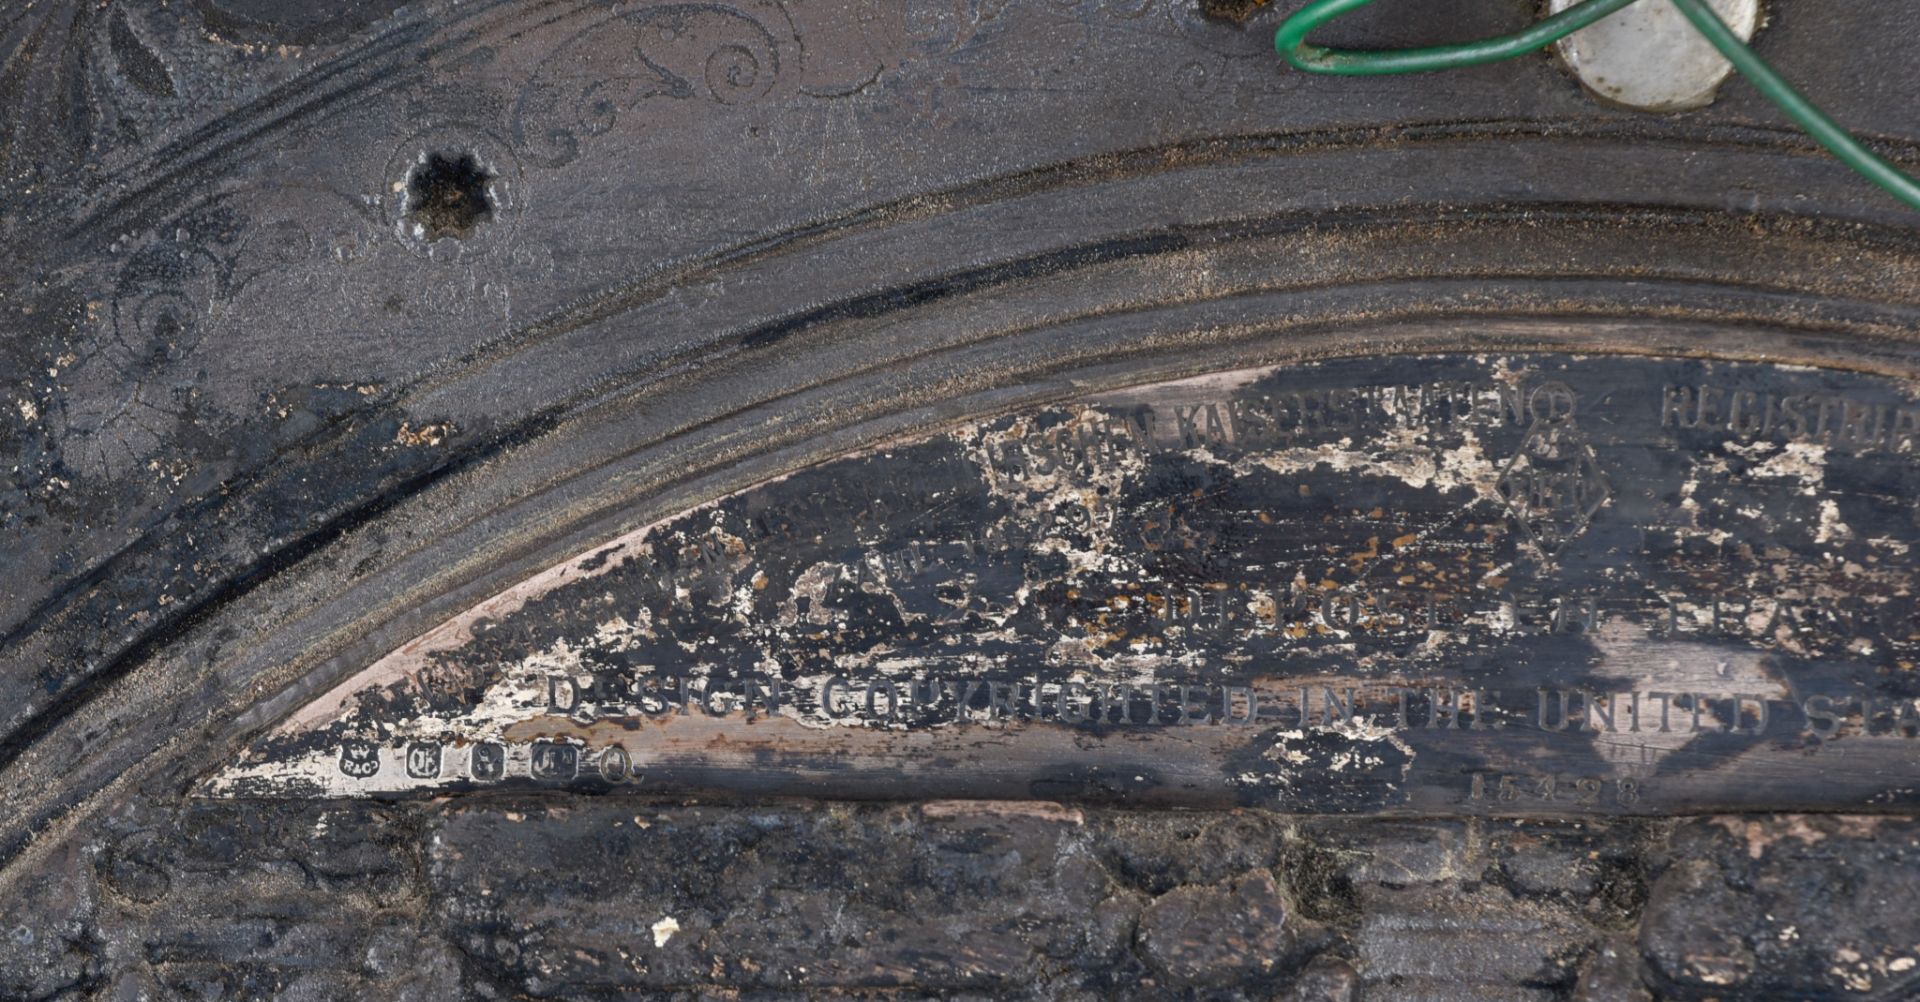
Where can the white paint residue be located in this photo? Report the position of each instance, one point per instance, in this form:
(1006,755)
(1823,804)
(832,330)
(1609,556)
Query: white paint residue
(1897,547)
(663,930)
(1831,528)
(1401,455)
(1802,461)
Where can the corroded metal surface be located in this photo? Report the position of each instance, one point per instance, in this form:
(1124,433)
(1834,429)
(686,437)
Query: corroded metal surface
(323,323)
(1483,584)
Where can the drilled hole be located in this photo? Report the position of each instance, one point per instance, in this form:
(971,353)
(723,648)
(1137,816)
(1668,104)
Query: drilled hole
(447,196)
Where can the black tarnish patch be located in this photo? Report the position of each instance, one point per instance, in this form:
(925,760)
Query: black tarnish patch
(1461,584)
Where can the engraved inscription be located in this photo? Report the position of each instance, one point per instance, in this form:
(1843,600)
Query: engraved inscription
(423,760)
(555,761)
(1504,583)
(359,759)
(489,760)
(1841,422)
(1553,485)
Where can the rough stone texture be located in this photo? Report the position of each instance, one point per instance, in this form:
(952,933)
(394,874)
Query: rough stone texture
(768,899)
(1233,933)
(570,901)
(257,431)
(1804,906)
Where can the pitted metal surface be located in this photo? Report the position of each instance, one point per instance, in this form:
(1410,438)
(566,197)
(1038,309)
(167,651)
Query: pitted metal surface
(329,332)
(1522,584)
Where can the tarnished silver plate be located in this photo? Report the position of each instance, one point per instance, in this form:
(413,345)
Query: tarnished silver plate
(1502,584)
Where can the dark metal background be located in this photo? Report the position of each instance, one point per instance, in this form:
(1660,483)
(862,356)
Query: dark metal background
(256,431)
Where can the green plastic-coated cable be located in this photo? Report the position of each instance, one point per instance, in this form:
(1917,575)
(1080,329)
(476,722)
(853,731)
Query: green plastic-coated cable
(1823,129)
(1291,41)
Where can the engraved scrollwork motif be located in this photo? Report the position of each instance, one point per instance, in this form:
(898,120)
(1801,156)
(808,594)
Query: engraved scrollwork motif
(167,296)
(73,76)
(162,303)
(137,377)
(657,55)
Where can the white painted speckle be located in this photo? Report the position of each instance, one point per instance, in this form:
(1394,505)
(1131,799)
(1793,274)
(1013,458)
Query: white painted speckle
(1831,528)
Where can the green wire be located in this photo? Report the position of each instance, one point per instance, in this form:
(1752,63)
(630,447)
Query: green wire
(1823,129)
(1291,41)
